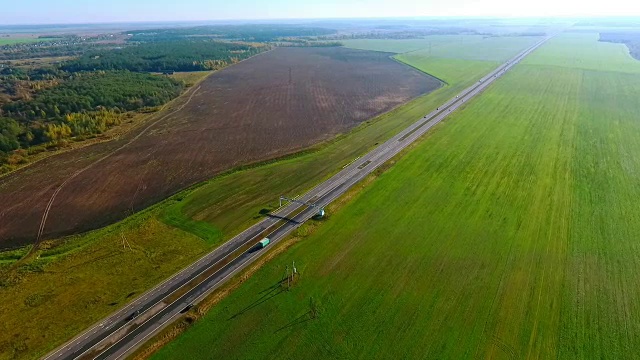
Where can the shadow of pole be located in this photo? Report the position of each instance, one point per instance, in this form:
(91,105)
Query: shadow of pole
(297,321)
(266,297)
(283,218)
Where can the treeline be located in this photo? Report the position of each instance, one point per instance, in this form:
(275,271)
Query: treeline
(57,48)
(401,35)
(118,90)
(20,84)
(307,43)
(248,32)
(18,140)
(187,55)
(631,39)
(81,106)
(10,131)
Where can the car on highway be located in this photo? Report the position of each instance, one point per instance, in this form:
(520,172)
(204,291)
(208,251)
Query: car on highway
(186,308)
(133,315)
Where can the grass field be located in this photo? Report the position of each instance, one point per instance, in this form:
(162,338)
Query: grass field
(13,40)
(584,51)
(214,211)
(84,279)
(510,232)
(461,47)
(190,78)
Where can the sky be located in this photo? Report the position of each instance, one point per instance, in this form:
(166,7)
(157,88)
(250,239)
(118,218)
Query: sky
(93,11)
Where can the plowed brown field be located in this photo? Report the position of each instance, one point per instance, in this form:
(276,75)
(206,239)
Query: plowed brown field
(274,104)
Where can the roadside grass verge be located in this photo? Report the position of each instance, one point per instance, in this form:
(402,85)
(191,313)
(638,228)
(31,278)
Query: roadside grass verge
(510,233)
(64,289)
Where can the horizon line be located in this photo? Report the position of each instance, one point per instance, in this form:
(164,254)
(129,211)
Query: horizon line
(275,20)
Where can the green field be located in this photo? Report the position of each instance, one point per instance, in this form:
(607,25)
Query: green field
(12,40)
(584,51)
(510,232)
(462,47)
(213,212)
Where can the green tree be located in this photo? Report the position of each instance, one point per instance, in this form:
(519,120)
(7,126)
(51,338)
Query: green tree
(9,132)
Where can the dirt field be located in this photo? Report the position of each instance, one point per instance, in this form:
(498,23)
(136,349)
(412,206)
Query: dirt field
(270,105)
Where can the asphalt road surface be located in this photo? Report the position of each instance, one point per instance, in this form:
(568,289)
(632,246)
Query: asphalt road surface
(121,333)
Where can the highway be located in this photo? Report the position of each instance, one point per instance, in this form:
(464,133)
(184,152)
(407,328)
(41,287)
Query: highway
(118,335)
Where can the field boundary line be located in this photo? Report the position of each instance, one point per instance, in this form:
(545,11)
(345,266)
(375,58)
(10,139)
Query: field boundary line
(422,71)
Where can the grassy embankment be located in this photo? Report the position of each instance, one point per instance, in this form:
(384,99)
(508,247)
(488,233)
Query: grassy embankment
(510,232)
(87,277)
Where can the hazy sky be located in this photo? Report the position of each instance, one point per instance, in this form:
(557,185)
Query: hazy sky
(83,11)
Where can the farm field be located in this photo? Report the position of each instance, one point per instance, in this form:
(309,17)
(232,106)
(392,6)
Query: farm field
(18,40)
(214,211)
(485,48)
(510,232)
(271,105)
(592,55)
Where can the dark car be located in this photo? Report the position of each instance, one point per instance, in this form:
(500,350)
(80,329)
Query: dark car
(186,308)
(133,315)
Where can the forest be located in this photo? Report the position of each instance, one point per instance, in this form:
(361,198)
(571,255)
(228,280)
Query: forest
(82,105)
(177,55)
(66,46)
(631,39)
(248,32)
(119,90)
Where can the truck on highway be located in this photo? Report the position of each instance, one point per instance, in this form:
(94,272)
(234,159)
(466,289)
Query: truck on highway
(263,243)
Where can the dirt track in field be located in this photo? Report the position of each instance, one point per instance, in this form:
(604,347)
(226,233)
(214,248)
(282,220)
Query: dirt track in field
(273,104)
